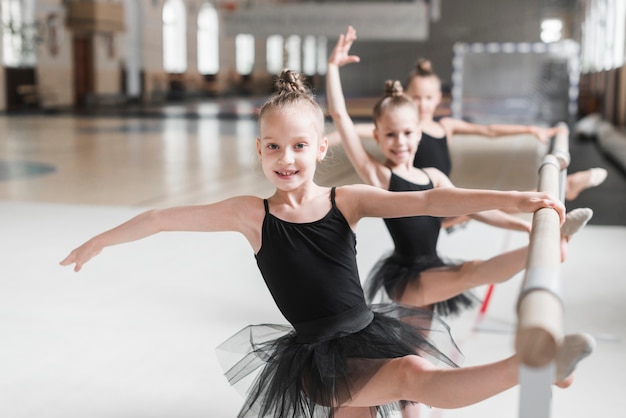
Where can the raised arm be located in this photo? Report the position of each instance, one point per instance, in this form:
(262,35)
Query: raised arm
(366,166)
(222,216)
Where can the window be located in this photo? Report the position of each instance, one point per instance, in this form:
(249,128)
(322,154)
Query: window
(309,55)
(603,44)
(19,34)
(322,55)
(292,47)
(208,40)
(274,54)
(244,54)
(174,36)
(551,30)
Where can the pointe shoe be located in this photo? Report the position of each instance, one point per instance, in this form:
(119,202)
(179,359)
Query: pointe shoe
(572,350)
(575,220)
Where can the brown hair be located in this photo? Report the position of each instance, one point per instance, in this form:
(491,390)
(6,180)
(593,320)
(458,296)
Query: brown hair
(423,68)
(291,90)
(394,98)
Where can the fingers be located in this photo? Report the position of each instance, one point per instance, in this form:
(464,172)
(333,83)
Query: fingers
(340,55)
(71,259)
(558,206)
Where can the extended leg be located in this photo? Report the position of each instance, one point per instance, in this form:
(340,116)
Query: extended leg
(414,378)
(583,180)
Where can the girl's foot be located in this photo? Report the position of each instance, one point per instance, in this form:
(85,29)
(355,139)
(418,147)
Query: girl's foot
(575,220)
(583,180)
(572,350)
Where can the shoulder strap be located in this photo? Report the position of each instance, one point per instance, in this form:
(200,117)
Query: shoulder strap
(427,175)
(267,206)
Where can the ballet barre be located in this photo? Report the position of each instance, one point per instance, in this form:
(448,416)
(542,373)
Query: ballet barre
(539,306)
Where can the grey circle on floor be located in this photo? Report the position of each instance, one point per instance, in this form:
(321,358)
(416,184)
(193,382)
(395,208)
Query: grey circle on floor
(12,170)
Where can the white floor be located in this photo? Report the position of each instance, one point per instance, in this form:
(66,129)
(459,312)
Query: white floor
(133,334)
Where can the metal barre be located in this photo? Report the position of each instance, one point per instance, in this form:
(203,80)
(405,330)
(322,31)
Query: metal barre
(539,308)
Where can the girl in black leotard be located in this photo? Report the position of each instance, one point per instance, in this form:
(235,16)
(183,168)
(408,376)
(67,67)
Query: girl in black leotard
(338,356)
(424,87)
(413,273)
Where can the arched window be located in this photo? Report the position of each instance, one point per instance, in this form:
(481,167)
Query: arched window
(244,53)
(174,36)
(292,46)
(274,54)
(208,40)
(19,34)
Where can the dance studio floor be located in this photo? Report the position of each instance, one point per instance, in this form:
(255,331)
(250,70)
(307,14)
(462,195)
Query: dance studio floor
(134,334)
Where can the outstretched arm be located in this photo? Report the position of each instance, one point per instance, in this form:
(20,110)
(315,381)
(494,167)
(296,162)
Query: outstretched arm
(221,216)
(493,217)
(362,201)
(457,126)
(365,164)
(502,219)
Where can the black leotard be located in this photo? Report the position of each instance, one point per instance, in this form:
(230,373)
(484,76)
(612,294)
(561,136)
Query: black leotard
(317,275)
(415,250)
(433,152)
(416,235)
(336,342)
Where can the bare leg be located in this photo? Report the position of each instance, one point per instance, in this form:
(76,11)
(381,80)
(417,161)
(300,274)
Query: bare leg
(412,411)
(442,283)
(354,412)
(414,378)
(582,180)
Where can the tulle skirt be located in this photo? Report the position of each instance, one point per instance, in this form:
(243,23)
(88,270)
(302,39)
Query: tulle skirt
(282,377)
(391,274)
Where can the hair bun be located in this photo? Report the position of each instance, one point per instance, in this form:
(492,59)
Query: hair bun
(424,67)
(291,82)
(393,88)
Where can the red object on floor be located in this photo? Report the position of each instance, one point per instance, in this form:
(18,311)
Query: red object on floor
(483,307)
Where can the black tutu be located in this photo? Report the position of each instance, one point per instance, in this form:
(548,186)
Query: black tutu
(282,377)
(390,275)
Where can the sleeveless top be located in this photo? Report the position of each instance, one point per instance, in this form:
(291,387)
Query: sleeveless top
(311,272)
(433,152)
(413,236)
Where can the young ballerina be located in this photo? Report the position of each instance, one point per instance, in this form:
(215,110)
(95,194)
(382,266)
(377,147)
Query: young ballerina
(339,357)
(413,274)
(424,87)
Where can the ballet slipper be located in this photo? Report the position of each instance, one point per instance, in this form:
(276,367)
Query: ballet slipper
(571,351)
(597,177)
(583,180)
(575,220)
